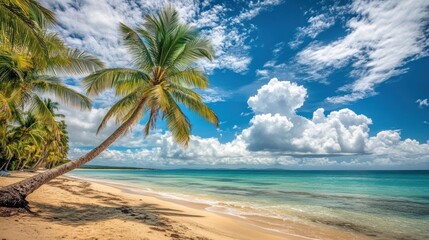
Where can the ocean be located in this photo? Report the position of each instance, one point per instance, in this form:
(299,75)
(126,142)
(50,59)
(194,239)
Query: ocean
(378,204)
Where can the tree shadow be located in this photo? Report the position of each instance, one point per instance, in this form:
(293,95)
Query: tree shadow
(81,213)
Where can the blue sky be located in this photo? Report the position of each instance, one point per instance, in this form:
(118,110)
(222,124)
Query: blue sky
(296,84)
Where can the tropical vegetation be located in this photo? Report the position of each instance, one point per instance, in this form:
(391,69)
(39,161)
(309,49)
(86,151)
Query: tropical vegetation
(30,143)
(31,60)
(162,80)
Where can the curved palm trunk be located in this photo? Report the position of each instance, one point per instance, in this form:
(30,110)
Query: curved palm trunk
(14,195)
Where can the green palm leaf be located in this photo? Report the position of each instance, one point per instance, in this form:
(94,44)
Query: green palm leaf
(121,109)
(73,61)
(195,104)
(53,85)
(122,78)
(24,20)
(191,77)
(137,47)
(178,124)
(5,109)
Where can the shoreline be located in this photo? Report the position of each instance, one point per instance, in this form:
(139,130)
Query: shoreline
(269,224)
(73,208)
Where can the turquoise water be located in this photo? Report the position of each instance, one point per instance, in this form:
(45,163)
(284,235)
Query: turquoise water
(380,204)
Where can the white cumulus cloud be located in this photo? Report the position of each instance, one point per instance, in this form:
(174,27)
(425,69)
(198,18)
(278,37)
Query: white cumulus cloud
(277,127)
(276,136)
(278,97)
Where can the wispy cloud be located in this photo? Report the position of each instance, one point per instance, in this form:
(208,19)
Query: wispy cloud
(254,8)
(213,95)
(318,22)
(275,68)
(93,26)
(316,25)
(381,39)
(422,102)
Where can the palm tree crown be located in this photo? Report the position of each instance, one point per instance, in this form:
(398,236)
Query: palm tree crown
(164,55)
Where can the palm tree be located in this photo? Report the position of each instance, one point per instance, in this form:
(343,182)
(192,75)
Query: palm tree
(27,52)
(26,140)
(24,74)
(55,146)
(30,141)
(23,140)
(164,52)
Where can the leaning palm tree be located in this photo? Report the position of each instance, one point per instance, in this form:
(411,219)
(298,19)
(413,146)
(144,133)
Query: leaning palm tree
(165,52)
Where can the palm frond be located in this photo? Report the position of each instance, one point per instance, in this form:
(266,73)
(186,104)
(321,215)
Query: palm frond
(151,122)
(25,19)
(149,39)
(12,66)
(174,43)
(120,109)
(53,85)
(40,111)
(5,109)
(178,124)
(137,47)
(102,80)
(73,61)
(43,16)
(157,97)
(192,77)
(190,100)
(195,49)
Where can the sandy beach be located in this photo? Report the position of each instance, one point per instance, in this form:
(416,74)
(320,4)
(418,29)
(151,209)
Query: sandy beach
(68,208)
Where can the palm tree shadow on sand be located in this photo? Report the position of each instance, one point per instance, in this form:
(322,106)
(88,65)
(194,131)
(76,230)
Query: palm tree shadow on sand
(107,207)
(112,207)
(81,213)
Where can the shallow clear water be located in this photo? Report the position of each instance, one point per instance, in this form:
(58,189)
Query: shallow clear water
(386,204)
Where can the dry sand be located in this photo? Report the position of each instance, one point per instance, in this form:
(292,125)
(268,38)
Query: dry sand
(68,208)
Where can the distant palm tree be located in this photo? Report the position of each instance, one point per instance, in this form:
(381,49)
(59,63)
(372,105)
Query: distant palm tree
(55,146)
(30,141)
(23,139)
(164,54)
